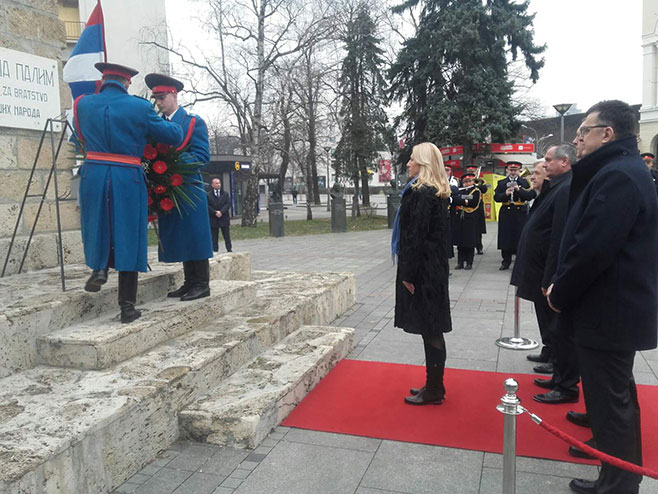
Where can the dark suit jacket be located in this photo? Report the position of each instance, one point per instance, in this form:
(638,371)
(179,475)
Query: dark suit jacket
(654,175)
(536,255)
(221,203)
(606,282)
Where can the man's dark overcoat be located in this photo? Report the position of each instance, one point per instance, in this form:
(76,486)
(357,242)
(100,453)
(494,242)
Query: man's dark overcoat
(423,261)
(536,256)
(606,282)
(513,213)
(221,203)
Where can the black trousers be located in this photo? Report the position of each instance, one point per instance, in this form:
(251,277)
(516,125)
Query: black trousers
(546,319)
(507,256)
(566,370)
(226,234)
(465,255)
(614,413)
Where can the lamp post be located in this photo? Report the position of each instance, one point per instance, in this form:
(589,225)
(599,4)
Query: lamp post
(327,149)
(562,108)
(530,128)
(539,142)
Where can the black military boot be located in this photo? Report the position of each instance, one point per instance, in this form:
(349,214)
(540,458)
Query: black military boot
(434,392)
(201,287)
(98,277)
(188,272)
(128,296)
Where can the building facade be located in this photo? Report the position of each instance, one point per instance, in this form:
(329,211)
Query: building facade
(649,109)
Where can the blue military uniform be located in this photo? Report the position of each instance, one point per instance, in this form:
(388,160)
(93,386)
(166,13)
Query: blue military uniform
(114,128)
(113,194)
(185,236)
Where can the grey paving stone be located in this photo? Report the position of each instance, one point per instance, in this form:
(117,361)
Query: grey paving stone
(256,457)
(224,461)
(150,469)
(238,473)
(249,465)
(325,470)
(232,482)
(165,482)
(199,483)
(191,459)
(492,483)
(126,488)
(223,490)
(418,468)
(546,467)
(401,352)
(138,478)
(332,440)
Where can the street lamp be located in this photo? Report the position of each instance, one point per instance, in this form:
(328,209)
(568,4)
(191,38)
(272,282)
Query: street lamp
(562,108)
(542,138)
(530,128)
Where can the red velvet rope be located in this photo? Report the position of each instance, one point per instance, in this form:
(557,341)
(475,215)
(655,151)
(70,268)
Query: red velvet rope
(616,462)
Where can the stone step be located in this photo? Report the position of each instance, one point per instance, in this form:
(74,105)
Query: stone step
(69,430)
(245,408)
(34,304)
(101,342)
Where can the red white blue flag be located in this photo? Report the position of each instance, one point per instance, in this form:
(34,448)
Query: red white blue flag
(79,71)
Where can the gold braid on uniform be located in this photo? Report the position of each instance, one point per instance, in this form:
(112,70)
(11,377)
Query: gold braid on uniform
(470,210)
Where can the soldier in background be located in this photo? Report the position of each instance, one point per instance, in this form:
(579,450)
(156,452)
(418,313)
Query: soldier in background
(513,192)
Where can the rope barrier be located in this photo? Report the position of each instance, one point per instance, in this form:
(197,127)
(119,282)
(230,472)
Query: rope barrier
(616,462)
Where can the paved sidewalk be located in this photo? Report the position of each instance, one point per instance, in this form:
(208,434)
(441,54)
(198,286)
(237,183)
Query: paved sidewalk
(294,461)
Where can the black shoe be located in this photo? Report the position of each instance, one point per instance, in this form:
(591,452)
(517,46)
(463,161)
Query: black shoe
(544,383)
(543,368)
(425,397)
(479,252)
(581,419)
(180,292)
(468,266)
(196,292)
(129,314)
(582,486)
(459,266)
(503,267)
(415,391)
(579,453)
(555,397)
(540,358)
(98,277)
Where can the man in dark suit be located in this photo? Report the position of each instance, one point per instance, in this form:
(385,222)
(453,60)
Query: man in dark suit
(606,283)
(513,191)
(219,204)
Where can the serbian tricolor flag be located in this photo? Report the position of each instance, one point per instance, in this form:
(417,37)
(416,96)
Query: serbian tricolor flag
(79,71)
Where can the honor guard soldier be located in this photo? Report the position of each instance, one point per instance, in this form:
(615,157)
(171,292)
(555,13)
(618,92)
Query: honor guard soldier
(513,192)
(185,235)
(648,159)
(482,220)
(114,128)
(465,221)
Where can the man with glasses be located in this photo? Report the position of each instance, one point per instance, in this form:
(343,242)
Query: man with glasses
(606,283)
(185,234)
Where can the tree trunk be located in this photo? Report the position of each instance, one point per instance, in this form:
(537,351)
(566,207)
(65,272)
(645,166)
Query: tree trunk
(365,191)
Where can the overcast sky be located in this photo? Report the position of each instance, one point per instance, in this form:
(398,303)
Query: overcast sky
(593,48)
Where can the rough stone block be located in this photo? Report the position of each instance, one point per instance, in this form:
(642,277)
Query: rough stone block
(27,148)
(31,24)
(99,343)
(68,214)
(8,158)
(14,183)
(43,251)
(8,216)
(245,408)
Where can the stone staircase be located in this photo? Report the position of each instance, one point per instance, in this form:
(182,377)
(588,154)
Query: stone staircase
(85,401)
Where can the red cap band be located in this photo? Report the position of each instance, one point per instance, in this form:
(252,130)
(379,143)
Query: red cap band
(164,89)
(125,75)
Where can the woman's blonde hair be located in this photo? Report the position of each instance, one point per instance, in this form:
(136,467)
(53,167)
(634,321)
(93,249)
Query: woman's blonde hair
(431,170)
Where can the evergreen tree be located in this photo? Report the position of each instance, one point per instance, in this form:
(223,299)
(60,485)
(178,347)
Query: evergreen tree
(452,76)
(362,91)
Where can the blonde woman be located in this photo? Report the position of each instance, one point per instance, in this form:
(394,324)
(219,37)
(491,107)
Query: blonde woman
(420,240)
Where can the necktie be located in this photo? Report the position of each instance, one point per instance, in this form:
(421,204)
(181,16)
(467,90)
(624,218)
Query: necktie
(216,193)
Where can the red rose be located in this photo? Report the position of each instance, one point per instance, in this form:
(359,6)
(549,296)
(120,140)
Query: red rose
(150,153)
(163,148)
(159,189)
(152,217)
(176,179)
(166,204)
(149,200)
(159,167)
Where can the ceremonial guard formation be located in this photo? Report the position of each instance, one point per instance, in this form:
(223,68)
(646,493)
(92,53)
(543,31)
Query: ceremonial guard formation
(466,228)
(114,127)
(185,234)
(513,192)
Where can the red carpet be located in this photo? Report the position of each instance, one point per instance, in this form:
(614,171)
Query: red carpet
(366,399)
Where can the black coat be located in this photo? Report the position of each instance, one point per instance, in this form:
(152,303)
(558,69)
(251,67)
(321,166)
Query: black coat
(536,255)
(654,176)
(607,276)
(466,224)
(221,203)
(513,213)
(423,261)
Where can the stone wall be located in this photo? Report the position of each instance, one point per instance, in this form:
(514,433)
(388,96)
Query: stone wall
(33,27)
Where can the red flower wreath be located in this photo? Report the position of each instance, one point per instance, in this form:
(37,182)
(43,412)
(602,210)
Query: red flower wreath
(166,204)
(176,180)
(163,148)
(150,153)
(159,189)
(159,167)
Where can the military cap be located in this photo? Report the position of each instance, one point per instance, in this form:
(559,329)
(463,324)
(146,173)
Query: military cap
(161,84)
(513,164)
(115,69)
(648,155)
